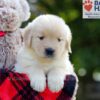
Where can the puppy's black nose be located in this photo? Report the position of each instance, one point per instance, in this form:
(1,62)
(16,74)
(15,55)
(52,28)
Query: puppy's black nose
(49,51)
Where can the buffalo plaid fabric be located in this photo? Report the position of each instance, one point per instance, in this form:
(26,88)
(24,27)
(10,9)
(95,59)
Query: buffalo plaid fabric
(15,86)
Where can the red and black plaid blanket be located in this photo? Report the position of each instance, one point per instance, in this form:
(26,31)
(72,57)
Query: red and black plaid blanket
(15,86)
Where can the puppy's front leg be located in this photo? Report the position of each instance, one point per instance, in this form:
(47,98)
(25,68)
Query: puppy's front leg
(56,79)
(37,80)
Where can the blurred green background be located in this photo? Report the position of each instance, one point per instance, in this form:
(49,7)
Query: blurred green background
(85,44)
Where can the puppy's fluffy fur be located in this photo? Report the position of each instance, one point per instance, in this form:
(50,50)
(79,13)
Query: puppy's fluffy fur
(46,31)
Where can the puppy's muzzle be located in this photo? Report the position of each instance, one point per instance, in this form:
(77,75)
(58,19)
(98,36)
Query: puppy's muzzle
(49,52)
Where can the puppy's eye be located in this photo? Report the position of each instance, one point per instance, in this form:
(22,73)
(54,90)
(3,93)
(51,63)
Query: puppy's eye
(41,37)
(59,40)
(13,7)
(1,6)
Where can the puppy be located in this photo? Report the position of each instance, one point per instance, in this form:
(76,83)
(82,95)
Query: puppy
(45,53)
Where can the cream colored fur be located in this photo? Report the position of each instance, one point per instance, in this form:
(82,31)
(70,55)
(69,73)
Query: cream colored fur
(32,59)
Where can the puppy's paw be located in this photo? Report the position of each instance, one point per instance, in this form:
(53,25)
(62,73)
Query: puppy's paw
(55,83)
(38,83)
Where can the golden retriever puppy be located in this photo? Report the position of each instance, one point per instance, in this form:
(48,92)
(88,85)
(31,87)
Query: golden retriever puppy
(45,53)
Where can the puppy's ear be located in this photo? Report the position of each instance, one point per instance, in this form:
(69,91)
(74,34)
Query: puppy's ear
(27,37)
(69,39)
(25,10)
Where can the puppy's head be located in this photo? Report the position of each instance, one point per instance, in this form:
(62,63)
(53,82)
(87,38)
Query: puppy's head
(48,36)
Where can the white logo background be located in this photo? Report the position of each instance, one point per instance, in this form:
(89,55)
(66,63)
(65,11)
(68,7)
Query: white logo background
(91,9)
